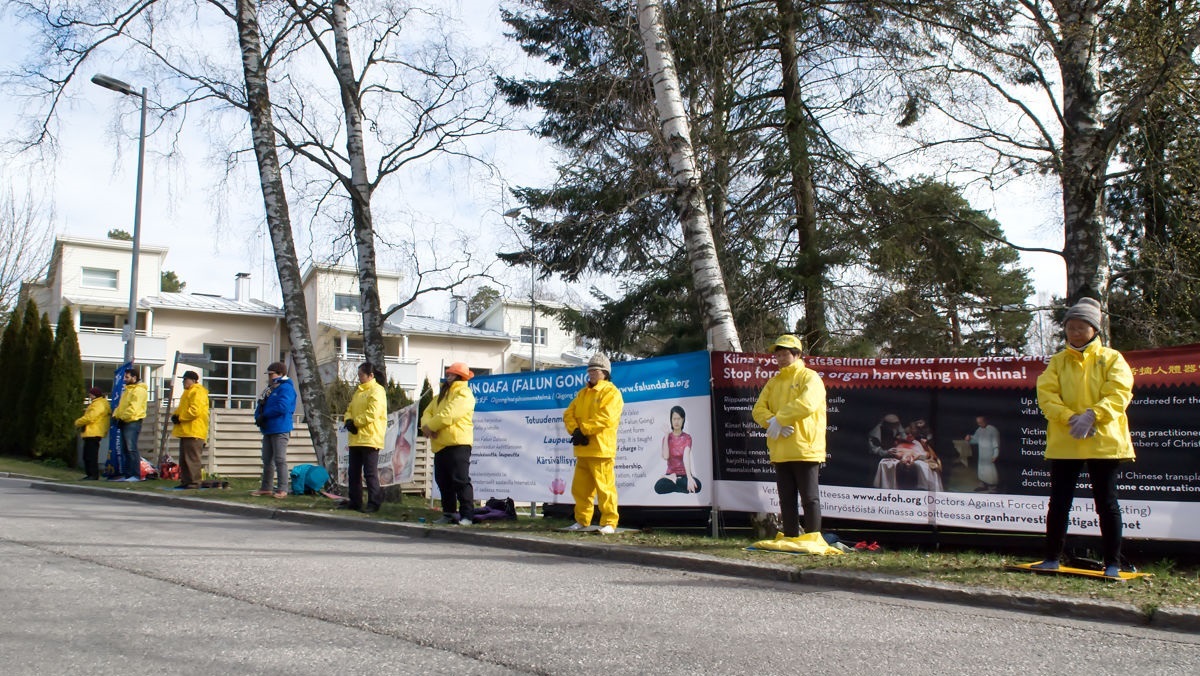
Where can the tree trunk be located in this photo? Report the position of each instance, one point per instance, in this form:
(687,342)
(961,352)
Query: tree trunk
(258,100)
(360,195)
(690,202)
(795,127)
(1085,155)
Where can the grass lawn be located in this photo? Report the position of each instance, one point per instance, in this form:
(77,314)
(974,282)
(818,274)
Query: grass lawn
(1173,584)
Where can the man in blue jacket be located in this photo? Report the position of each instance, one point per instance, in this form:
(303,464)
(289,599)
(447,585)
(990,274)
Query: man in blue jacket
(273,414)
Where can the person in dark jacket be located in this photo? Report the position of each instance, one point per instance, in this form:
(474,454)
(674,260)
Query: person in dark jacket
(273,414)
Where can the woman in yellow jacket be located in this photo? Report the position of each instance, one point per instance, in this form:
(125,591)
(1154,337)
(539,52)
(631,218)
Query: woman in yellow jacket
(1083,393)
(366,421)
(95,422)
(448,423)
(191,429)
(791,407)
(592,419)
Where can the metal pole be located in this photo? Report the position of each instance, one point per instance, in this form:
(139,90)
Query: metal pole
(532,316)
(137,239)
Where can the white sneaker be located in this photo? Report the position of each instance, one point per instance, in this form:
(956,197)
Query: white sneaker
(575,526)
(607,530)
(466,522)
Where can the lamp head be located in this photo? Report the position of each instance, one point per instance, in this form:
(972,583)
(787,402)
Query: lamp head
(114,84)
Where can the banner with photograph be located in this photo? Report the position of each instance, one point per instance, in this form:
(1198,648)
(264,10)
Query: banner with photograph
(397,458)
(664,441)
(959,443)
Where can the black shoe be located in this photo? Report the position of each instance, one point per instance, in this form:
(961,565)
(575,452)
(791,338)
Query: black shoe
(88,478)
(345,505)
(369,509)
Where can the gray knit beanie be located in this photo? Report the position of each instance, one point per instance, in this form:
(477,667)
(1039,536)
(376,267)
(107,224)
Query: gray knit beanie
(1087,309)
(600,361)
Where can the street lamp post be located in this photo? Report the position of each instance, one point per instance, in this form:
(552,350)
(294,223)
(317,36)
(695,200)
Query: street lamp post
(131,320)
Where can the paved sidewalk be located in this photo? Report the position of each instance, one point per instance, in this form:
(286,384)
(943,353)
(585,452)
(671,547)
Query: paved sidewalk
(1187,620)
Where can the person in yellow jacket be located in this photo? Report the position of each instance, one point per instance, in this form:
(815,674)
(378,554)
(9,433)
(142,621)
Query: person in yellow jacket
(1083,393)
(791,407)
(191,428)
(448,423)
(366,421)
(592,419)
(130,412)
(94,423)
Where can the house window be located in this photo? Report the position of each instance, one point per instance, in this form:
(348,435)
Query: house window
(99,278)
(232,381)
(345,302)
(96,320)
(526,332)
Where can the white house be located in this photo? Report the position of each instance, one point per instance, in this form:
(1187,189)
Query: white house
(91,277)
(241,335)
(535,334)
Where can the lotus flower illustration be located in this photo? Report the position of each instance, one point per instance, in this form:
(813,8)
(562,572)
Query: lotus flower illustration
(558,486)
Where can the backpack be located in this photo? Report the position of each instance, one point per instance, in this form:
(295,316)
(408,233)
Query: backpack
(310,479)
(496,509)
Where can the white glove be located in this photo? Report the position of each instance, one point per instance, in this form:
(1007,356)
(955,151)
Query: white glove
(1081,424)
(787,431)
(774,429)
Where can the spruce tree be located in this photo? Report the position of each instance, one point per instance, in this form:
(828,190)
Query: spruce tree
(61,396)
(41,356)
(17,435)
(12,356)
(425,399)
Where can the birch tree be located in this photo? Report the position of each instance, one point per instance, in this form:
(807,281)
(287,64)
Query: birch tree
(279,225)
(72,38)
(27,234)
(690,201)
(1042,60)
(423,105)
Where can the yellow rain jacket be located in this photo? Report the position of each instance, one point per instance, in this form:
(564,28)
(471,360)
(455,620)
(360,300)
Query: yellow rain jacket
(595,411)
(452,418)
(1074,381)
(368,410)
(806,543)
(96,419)
(193,414)
(795,397)
(133,403)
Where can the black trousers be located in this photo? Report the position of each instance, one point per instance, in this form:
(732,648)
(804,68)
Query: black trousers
(664,485)
(1064,476)
(91,457)
(452,472)
(364,462)
(790,478)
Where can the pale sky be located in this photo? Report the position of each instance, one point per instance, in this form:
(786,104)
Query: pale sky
(214,232)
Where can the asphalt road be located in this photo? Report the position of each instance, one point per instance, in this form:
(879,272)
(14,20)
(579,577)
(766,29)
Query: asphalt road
(98,586)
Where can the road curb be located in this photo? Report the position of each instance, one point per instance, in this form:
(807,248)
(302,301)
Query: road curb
(1175,619)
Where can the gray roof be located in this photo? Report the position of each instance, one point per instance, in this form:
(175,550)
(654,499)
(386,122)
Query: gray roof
(198,302)
(423,326)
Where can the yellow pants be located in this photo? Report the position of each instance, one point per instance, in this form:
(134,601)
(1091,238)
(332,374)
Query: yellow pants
(595,477)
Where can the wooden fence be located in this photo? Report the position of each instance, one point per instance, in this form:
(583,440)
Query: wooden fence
(234,448)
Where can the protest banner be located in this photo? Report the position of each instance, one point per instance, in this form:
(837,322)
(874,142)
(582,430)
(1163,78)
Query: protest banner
(904,439)
(397,457)
(522,449)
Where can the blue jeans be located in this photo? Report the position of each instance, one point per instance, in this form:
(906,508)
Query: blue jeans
(129,449)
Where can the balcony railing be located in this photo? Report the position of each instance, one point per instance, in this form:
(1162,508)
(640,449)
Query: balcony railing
(107,345)
(404,372)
